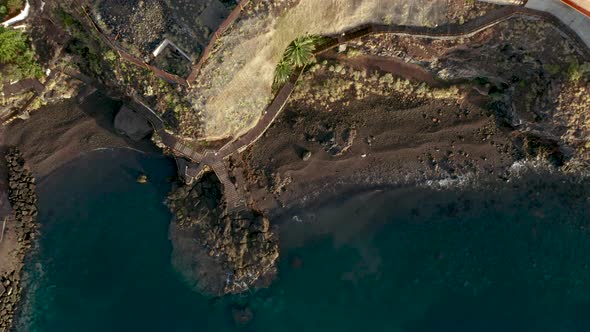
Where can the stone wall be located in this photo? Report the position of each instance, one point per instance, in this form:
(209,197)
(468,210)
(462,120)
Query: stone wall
(22,197)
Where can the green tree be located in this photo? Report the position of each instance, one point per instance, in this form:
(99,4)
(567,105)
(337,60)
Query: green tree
(300,51)
(3,11)
(283,72)
(17,55)
(298,54)
(14,5)
(12,43)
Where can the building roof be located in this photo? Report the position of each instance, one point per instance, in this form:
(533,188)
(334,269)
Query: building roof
(583,6)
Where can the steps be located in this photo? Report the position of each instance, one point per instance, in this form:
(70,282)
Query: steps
(234,201)
(183,149)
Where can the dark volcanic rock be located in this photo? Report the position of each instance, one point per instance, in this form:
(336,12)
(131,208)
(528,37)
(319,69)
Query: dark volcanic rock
(217,253)
(306,155)
(22,197)
(242,316)
(131,124)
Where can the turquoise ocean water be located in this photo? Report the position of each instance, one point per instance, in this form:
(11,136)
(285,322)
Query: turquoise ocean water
(512,258)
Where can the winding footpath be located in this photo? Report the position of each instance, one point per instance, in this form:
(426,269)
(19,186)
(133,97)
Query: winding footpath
(215,158)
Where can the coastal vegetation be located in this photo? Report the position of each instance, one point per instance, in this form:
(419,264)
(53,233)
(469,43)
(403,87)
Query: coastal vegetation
(229,101)
(97,59)
(9,8)
(83,45)
(17,55)
(577,71)
(299,53)
(342,84)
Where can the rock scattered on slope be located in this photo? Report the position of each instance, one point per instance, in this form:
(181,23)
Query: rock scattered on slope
(131,124)
(216,253)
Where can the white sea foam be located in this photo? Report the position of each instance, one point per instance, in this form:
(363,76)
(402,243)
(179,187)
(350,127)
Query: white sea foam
(526,166)
(451,182)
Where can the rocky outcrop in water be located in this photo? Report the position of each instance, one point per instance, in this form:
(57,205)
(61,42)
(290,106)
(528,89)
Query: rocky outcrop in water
(22,197)
(216,253)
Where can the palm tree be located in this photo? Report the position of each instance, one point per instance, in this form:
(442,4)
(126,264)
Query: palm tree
(298,54)
(300,51)
(283,72)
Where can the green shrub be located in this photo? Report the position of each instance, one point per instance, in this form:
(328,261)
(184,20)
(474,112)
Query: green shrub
(298,54)
(300,51)
(68,20)
(17,55)
(110,56)
(283,72)
(13,43)
(552,68)
(14,5)
(576,70)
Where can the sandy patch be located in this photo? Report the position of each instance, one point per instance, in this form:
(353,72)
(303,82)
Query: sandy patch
(235,88)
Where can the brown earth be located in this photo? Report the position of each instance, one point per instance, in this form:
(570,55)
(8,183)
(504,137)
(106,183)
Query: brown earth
(9,243)
(528,68)
(57,133)
(51,137)
(396,143)
(514,99)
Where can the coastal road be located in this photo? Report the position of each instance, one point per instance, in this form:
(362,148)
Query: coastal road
(577,21)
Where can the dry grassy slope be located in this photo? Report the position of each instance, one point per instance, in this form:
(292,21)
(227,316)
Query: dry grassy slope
(235,88)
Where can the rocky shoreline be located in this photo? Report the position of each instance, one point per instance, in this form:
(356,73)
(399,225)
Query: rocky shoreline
(23,199)
(218,253)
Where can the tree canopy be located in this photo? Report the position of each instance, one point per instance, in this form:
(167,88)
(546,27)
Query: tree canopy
(298,54)
(17,56)
(300,51)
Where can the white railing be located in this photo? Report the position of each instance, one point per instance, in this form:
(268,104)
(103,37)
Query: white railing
(23,14)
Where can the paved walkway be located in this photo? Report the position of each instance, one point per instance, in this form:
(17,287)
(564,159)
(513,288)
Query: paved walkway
(233,16)
(569,16)
(215,159)
(171,78)
(22,86)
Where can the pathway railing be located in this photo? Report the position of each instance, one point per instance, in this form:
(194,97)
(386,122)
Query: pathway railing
(233,16)
(234,199)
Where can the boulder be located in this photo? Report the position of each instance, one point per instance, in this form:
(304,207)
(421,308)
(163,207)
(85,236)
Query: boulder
(241,250)
(306,155)
(242,316)
(142,179)
(131,124)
